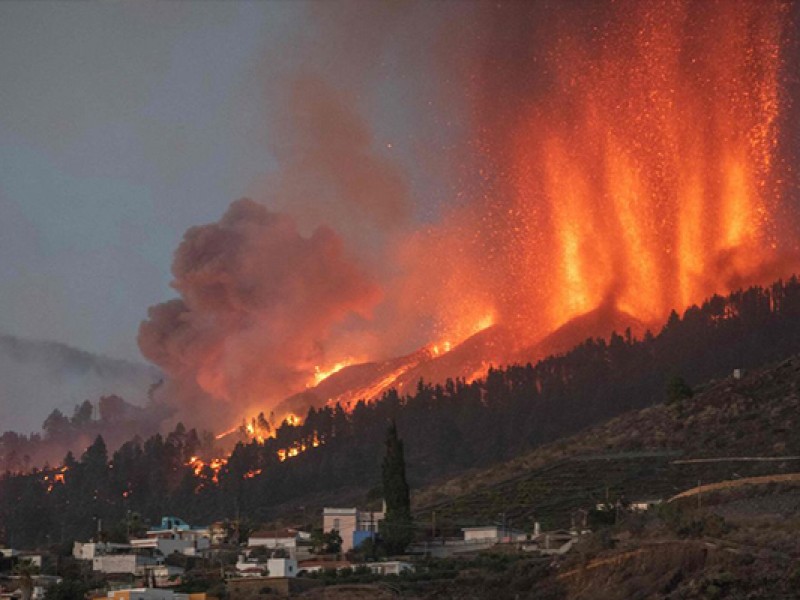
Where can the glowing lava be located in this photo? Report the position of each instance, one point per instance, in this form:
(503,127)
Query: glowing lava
(648,172)
(321,375)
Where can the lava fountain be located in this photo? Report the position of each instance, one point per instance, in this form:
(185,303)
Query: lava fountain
(634,155)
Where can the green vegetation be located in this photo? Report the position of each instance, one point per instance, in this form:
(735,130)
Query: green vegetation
(326,542)
(677,390)
(397,527)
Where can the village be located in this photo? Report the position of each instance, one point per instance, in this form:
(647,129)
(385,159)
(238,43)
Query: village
(173,556)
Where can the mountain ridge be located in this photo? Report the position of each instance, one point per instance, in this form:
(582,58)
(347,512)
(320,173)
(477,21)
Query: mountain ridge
(39,376)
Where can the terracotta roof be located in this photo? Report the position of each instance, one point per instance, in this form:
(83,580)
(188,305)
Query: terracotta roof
(276,533)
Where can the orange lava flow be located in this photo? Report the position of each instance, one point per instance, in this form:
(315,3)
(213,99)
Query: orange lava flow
(321,374)
(648,174)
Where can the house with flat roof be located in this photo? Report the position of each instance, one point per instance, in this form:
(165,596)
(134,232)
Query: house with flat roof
(493,533)
(354,526)
(175,536)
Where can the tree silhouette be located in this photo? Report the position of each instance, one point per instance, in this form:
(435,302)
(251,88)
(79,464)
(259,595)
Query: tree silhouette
(397,526)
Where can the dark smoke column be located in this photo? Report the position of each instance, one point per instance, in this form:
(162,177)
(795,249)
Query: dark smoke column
(257,304)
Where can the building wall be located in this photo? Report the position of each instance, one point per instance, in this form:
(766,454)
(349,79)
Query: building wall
(498,534)
(168,546)
(481,533)
(392,567)
(282,567)
(342,520)
(287,542)
(349,520)
(120,563)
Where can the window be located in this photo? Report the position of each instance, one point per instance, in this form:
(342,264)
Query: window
(336,524)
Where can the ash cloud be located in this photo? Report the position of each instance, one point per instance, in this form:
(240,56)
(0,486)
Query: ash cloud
(329,157)
(258,302)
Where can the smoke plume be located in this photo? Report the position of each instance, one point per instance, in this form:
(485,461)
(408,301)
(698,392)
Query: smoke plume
(258,303)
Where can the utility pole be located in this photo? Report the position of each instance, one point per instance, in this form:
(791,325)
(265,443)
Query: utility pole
(699,495)
(433,526)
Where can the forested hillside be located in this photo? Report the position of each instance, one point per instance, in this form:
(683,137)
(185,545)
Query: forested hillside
(447,429)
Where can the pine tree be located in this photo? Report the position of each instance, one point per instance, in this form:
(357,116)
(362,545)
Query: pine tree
(397,527)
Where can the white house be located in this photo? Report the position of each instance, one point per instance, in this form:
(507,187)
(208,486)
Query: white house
(279,538)
(134,564)
(275,567)
(644,505)
(494,533)
(175,535)
(318,566)
(282,567)
(297,544)
(250,567)
(388,567)
(88,550)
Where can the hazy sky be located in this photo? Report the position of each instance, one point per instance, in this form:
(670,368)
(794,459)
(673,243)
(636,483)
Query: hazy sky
(124,123)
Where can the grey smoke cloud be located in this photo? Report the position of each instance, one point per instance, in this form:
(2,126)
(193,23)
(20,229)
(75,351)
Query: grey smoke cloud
(257,304)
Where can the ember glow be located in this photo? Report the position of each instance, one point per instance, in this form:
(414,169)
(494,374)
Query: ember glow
(209,470)
(298,448)
(199,467)
(259,428)
(54,478)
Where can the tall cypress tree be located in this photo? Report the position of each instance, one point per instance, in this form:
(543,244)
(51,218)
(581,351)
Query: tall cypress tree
(397,527)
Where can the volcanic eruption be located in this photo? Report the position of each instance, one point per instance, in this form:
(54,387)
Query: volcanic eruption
(647,171)
(621,160)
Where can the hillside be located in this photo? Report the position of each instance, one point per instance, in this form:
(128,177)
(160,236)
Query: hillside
(730,429)
(469,360)
(333,455)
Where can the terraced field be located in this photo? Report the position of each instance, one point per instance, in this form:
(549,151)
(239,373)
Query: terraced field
(553,493)
(729,430)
